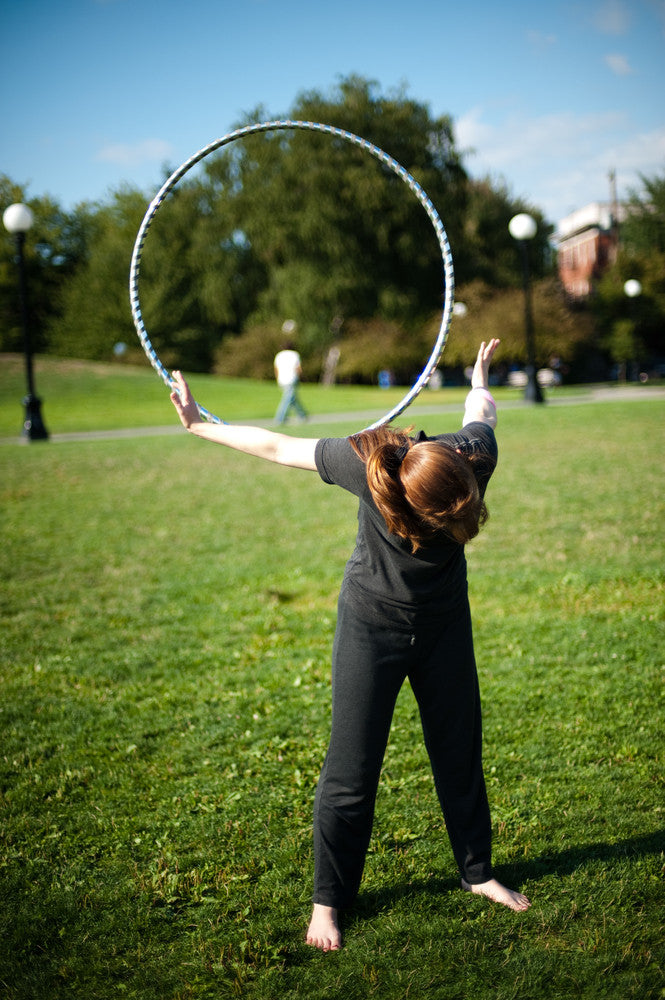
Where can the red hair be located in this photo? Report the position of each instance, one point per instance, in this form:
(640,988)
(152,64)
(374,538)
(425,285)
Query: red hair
(424,489)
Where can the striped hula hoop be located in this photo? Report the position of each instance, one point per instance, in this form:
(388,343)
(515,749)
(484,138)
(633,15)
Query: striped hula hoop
(392,164)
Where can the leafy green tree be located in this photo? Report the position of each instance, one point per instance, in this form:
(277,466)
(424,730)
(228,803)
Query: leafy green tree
(337,233)
(487,252)
(95,313)
(624,345)
(54,247)
(289,224)
(631,329)
(643,230)
(343,241)
(194,285)
(490,312)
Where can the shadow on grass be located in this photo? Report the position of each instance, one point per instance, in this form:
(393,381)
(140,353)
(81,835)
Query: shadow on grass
(517,873)
(573,858)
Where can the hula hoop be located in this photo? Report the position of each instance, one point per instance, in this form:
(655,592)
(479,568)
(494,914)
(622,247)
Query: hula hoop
(271,126)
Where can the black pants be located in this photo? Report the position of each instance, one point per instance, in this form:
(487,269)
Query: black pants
(370,664)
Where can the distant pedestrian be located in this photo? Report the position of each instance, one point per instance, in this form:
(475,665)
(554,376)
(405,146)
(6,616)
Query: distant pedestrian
(287,372)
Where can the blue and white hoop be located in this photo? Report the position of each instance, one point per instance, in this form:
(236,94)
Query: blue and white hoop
(446,256)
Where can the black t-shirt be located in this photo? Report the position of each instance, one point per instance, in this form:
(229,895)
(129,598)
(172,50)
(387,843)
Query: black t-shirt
(383,575)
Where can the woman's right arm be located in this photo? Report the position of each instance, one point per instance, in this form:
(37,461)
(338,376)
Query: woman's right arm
(479,404)
(279,448)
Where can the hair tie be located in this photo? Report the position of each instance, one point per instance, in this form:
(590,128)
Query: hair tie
(400,453)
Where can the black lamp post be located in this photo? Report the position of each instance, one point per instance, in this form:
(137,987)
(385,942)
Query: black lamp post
(633,289)
(523,228)
(18,219)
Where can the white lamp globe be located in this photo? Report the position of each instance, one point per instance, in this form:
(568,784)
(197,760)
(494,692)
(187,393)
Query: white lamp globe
(632,288)
(17,218)
(522,227)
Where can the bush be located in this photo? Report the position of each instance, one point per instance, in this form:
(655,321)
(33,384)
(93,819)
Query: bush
(249,355)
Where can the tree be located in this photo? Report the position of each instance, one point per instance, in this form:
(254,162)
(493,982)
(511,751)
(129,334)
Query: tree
(491,312)
(643,229)
(336,232)
(343,241)
(631,329)
(289,224)
(193,278)
(487,252)
(95,311)
(624,345)
(55,247)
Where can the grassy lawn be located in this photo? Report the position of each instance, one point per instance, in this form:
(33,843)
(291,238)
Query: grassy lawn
(79,396)
(167,615)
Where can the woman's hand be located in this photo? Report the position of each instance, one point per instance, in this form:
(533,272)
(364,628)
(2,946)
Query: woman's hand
(184,403)
(480,377)
(479,404)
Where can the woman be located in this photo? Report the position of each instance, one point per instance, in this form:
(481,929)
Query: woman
(403,612)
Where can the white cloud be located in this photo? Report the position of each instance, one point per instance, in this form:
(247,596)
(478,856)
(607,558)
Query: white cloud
(618,64)
(539,40)
(559,162)
(136,154)
(643,153)
(520,139)
(471,133)
(612,17)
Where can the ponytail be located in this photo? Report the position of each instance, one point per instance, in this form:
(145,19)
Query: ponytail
(423,490)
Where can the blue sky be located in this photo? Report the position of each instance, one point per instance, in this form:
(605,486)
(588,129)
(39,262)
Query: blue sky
(547,96)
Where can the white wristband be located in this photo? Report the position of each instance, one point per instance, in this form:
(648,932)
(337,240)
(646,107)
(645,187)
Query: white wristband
(485,393)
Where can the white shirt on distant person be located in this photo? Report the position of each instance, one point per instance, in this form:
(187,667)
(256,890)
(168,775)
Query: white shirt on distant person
(287,368)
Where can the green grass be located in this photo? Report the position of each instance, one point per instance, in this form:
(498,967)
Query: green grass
(167,614)
(80,396)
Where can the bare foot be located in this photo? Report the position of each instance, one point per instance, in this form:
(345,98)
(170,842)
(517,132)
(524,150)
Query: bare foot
(323,931)
(499,894)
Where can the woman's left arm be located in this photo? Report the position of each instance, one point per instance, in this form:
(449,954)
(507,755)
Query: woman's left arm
(269,445)
(480,405)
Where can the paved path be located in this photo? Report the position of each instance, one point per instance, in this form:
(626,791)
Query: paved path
(602,394)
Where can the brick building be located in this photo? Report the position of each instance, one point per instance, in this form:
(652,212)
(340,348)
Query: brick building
(587,242)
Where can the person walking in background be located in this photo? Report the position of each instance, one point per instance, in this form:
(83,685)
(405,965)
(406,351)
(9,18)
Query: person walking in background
(287,372)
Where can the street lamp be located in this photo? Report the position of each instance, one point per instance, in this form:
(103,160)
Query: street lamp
(632,289)
(523,228)
(18,219)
